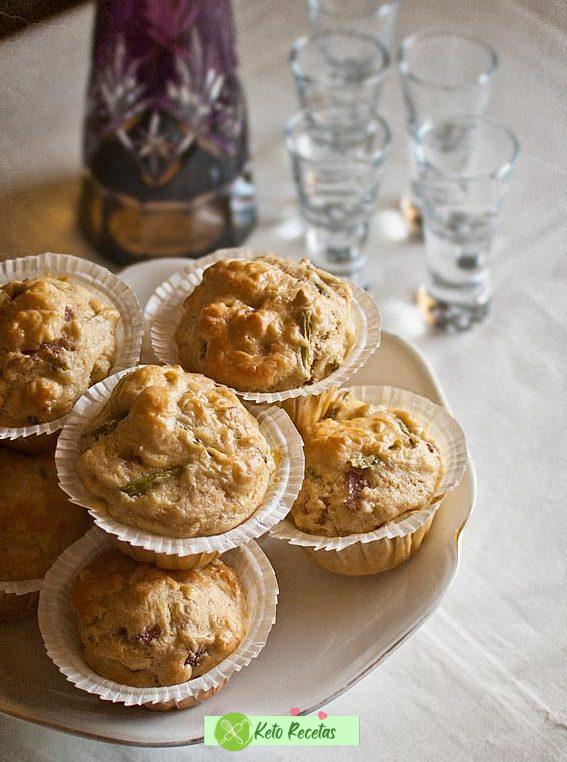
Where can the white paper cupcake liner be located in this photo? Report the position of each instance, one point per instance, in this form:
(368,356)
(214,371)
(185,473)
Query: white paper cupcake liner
(165,309)
(286,482)
(104,285)
(21,587)
(57,624)
(448,436)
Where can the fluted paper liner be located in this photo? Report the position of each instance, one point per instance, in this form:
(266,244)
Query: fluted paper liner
(105,286)
(58,629)
(284,487)
(374,557)
(165,309)
(448,436)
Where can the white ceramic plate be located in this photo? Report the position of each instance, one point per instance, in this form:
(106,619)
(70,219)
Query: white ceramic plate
(351,625)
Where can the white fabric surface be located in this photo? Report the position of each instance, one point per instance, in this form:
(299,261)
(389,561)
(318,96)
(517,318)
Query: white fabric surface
(485,677)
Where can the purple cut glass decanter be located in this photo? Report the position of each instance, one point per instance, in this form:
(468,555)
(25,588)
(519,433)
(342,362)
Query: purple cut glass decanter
(166,138)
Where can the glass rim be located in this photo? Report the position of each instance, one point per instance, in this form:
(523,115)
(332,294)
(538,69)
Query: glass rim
(503,168)
(376,157)
(344,11)
(418,37)
(301,43)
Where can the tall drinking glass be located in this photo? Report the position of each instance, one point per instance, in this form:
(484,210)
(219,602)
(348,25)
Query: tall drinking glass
(339,76)
(374,17)
(337,185)
(462,183)
(444,76)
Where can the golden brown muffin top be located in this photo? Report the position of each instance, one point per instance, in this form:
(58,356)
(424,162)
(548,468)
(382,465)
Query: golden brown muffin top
(175,454)
(365,465)
(56,340)
(266,324)
(143,626)
(37,521)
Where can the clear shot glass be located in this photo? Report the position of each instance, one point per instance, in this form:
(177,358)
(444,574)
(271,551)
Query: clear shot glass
(339,76)
(464,171)
(444,77)
(374,17)
(337,186)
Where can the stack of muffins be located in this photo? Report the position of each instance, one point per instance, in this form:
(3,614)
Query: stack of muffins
(378,460)
(58,335)
(186,459)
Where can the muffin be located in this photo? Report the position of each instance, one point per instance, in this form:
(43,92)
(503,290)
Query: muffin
(176,455)
(266,324)
(37,521)
(365,465)
(142,626)
(56,340)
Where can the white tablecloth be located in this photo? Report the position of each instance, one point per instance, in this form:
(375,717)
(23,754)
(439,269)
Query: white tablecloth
(486,676)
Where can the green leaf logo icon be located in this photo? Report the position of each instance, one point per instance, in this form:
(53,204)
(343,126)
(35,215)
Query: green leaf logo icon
(233,731)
